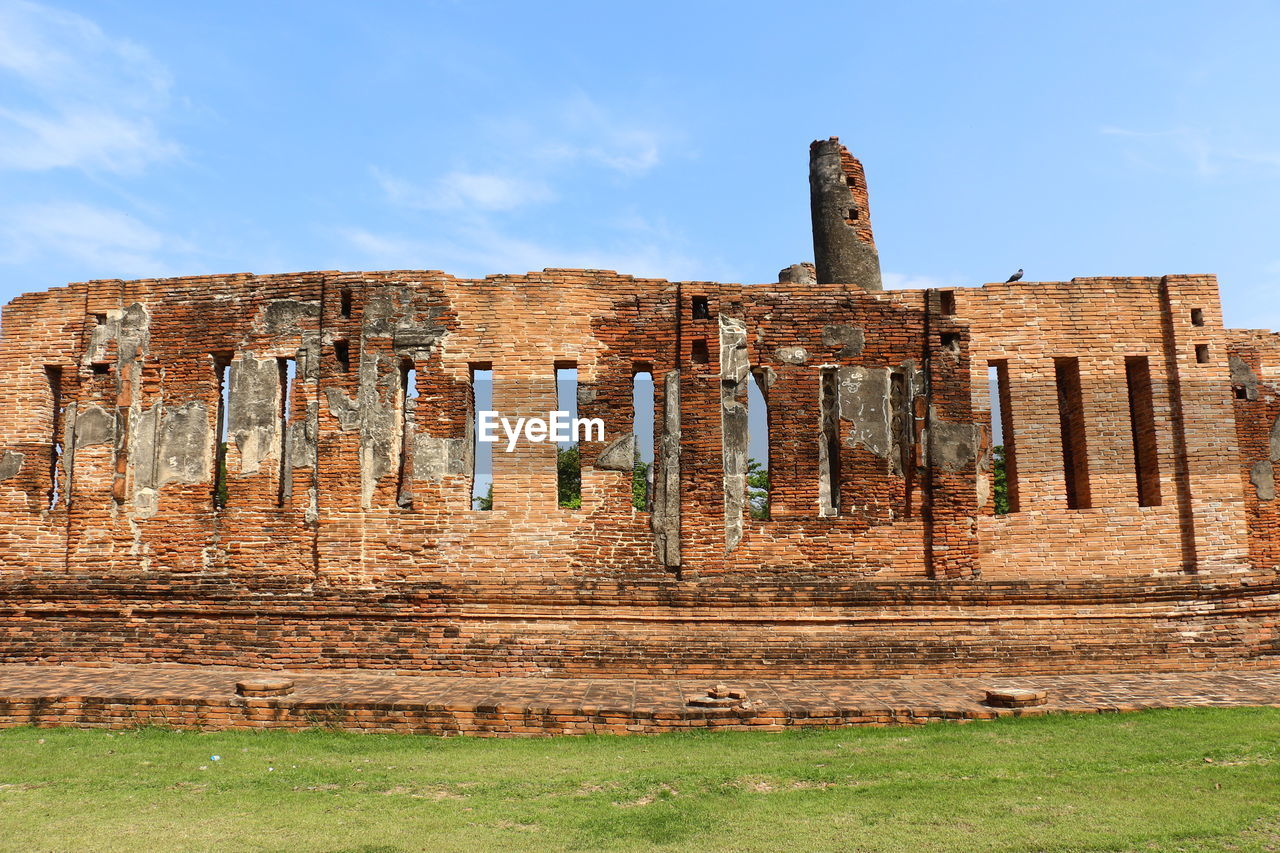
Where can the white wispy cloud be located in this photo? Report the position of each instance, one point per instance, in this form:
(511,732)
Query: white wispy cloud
(71,96)
(108,241)
(529,158)
(464,191)
(481,249)
(527,154)
(582,130)
(1208,154)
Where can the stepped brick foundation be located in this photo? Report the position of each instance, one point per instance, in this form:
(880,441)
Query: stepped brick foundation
(125,696)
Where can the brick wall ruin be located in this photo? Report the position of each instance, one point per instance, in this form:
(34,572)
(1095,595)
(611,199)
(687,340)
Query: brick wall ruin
(1141,441)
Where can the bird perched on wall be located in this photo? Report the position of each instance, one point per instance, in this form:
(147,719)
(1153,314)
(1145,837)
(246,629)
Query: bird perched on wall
(1015,277)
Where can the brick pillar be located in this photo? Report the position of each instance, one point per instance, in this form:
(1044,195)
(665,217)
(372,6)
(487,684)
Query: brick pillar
(1209,492)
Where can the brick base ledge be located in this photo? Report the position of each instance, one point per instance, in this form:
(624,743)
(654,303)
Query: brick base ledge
(203,698)
(120,713)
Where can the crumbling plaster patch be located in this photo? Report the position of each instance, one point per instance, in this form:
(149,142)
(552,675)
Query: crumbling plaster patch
(952,446)
(253,411)
(735,369)
(865,407)
(850,339)
(1263,477)
(1242,376)
(10,464)
(619,454)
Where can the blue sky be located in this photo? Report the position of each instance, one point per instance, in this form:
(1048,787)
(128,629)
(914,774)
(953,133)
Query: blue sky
(666,139)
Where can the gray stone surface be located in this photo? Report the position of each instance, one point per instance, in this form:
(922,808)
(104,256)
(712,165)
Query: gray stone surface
(735,372)
(666,499)
(865,407)
(67,463)
(411,320)
(379,430)
(185,445)
(301,446)
(283,316)
(94,425)
(423,338)
(850,339)
(135,333)
(1242,376)
(435,458)
(619,455)
(804,273)
(791,355)
(10,464)
(343,408)
(253,410)
(952,446)
(144,428)
(1263,477)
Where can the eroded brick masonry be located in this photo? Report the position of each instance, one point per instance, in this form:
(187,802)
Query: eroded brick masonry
(1141,441)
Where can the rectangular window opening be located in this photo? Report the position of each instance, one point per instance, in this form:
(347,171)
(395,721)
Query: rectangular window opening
(758,487)
(1202,353)
(100,368)
(568,454)
(345,303)
(1142,421)
(222,374)
(701,308)
(1075,452)
(947,301)
(853,214)
(1004,458)
(698,352)
(481,451)
(901,427)
(1197,316)
(288,368)
(100,319)
(829,443)
(408,418)
(642,419)
(54,377)
(342,355)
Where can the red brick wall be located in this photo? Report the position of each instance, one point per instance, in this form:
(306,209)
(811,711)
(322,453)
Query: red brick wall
(1199,527)
(856,177)
(1257,419)
(361,564)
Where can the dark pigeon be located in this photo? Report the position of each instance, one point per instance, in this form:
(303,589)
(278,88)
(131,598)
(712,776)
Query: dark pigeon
(1016,276)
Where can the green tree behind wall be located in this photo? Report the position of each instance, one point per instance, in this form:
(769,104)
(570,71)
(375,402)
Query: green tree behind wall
(757,489)
(1000,480)
(569,477)
(640,482)
(220,485)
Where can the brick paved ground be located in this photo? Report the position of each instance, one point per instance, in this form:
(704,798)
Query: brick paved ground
(204,697)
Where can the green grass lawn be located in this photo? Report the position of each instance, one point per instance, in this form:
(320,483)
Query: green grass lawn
(1164,780)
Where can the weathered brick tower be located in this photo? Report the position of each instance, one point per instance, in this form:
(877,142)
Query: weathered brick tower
(279,470)
(844,248)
